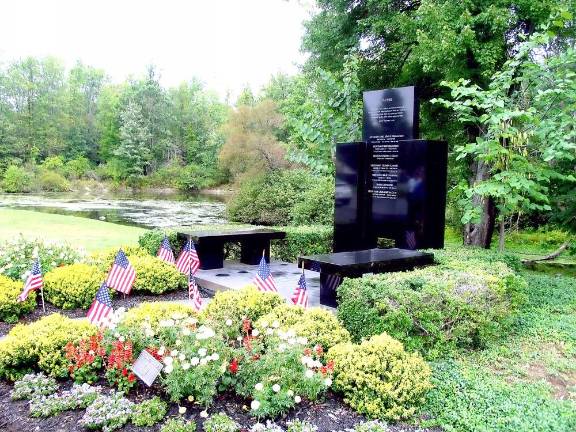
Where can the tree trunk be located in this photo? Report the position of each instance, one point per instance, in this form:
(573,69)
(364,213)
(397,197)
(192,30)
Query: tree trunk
(480,234)
(501,235)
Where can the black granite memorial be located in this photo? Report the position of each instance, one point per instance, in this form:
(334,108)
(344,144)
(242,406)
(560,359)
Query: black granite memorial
(391,185)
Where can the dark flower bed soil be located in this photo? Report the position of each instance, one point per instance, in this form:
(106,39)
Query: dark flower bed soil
(329,415)
(118,301)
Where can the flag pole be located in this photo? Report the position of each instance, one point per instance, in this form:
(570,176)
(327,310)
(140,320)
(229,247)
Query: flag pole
(302,266)
(42,296)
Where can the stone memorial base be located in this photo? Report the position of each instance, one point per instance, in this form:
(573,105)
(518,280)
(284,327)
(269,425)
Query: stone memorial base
(235,275)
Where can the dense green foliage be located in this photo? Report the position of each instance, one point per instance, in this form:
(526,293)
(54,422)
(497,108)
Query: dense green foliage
(282,198)
(458,304)
(10,308)
(73,286)
(155,276)
(40,346)
(380,379)
(131,130)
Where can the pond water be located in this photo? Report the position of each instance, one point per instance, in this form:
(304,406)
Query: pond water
(142,209)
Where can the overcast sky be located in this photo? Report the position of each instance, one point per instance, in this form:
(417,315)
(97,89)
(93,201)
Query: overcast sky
(225,43)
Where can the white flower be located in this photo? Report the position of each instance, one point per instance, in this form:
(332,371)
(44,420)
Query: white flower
(167,323)
(264,324)
(186,331)
(193,321)
(168,368)
(178,315)
(203,361)
(275,324)
(204,414)
(202,352)
(149,332)
(297,399)
(174,353)
(259,387)
(302,340)
(276,388)
(204,333)
(255,405)
(161,350)
(292,341)
(282,347)
(309,373)
(290,393)
(182,410)
(185,366)
(168,360)
(178,342)
(291,333)
(121,338)
(228,322)
(269,331)
(255,332)
(215,356)
(304,360)
(181,357)
(328,382)
(194,361)
(239,338)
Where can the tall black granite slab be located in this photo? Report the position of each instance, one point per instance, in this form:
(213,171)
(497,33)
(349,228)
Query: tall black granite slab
(410,207)
(350,211)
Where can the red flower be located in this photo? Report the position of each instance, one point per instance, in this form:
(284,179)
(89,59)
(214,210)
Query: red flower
(124,372)
(233,366)
(330,365)
(307,352)
(324,370)
(319,350)
(131,377)
(246,325)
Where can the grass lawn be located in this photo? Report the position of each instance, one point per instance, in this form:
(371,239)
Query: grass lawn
(78,232)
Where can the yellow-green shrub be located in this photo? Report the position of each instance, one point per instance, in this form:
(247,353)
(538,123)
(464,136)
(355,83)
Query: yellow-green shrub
(40,345)
(238,304)
(318,325)
(379,378)
(105,258)
(155,276)
(73,286)
(10,308)
(154,313)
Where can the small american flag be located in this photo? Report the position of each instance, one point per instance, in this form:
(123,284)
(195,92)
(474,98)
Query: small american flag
(122,275)
(33,281)
(300,296)
(101,306)
(194,292)
(165,251)
(263,279)
(411,240)
(188,260)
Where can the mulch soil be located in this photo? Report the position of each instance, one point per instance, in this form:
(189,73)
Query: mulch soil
(118,301)
(329,415)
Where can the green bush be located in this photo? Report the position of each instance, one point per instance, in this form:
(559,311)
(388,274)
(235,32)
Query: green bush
(302,240)
(77,168)
(10,308)
(17,180)
(73,286)
(379,378)
(471,256)
(155,276)
(149,412)
(435,309)
(316,206)
(52,181)
(178,425)
(319,326)
(53,163)
(236,305)
(270,198)
(150,241)
(40,346)
(220,423)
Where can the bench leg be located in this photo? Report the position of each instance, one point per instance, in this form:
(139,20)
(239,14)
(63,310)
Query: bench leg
(251,251)
(211,256)
(328,285)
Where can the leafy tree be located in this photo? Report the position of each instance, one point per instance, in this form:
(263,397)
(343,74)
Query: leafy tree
(251,144)
(525,118)
(423,43)
(133,150)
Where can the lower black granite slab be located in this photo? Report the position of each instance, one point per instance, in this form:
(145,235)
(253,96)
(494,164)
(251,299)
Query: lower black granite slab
(336,266)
